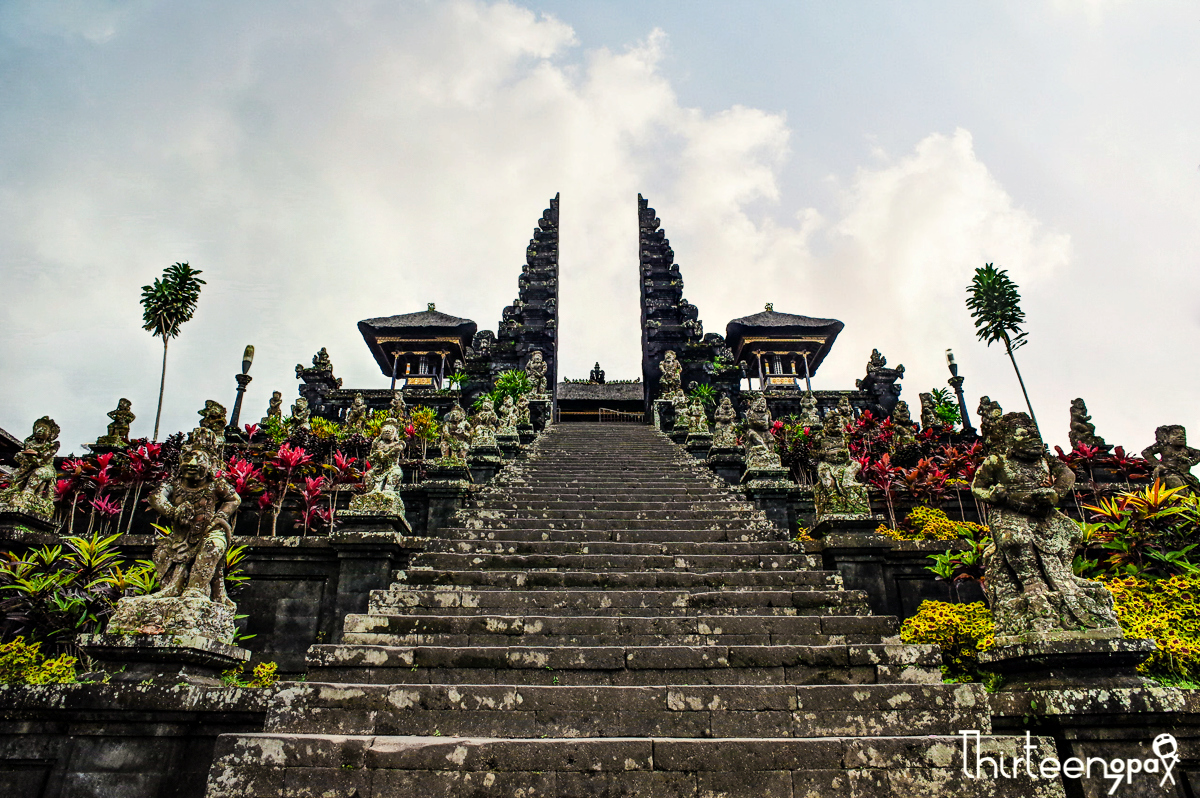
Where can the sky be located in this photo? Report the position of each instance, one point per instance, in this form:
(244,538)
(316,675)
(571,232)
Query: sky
(325,163)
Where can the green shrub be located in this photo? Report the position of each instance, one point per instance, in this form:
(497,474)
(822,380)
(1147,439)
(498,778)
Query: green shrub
(22,663)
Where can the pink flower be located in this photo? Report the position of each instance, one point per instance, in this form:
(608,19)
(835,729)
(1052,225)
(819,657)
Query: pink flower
(73,466)
(251,431)
(106,506)
(289,458)
(63,488)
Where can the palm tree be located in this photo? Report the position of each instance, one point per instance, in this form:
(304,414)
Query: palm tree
(166,304)
(996,307)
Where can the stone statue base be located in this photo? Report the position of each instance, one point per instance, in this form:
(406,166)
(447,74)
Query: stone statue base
(845,524)
(190,616)
(167,659)
(527,434)
(761,475)
(509,444)
(664,415)
(385,507)
(485,462)
(541,411)
(109,443)
(848,502)
(18,508)
(1070,659)
(447,472)
(698,444)
(727,462)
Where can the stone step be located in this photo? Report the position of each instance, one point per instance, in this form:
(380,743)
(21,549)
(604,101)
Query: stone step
(559,630)
(629,549)
(684,515)
(507,711)
(259,765)
(619,580)
(700,563)
(866,663)
(450,601)
(638,535)
(611,509)
(625,524)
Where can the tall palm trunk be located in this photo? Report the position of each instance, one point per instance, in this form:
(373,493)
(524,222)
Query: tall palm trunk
(162,386)
(1008,348)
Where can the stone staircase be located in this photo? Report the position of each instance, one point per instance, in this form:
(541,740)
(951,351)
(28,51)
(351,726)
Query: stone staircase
(611,620)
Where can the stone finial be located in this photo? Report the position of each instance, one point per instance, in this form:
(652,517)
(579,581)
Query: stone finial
(1082,429)
(431,307)
(769,307)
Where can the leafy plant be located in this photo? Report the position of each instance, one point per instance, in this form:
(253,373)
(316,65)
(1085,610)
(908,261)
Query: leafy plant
(286,464)
(167,304)
(1149,533)
(23,663)
(457,380)
(995,305)
(705,393)
(945,407)
(513,382)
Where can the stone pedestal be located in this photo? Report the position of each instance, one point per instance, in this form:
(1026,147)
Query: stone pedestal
(484,462)
(189,616)
(166,659)
(527,435)
(509,444)
(727,463)
(381,510)
(541,411)
(1091,659)
(679,432)
(847,524)
(664,415)
(367,556)
(447,486)
(770,490)
(24,511)
(698,444)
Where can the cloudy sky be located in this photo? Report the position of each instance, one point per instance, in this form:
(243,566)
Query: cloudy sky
(328,162)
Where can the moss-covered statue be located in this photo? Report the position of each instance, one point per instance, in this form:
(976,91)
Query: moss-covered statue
(382,483)
(196,506)
(810,417)
(837,491)
(902,425)
(118,430)
(483,427)
(274,409)
(301,415)
(697,419)
(1173,459)
(670,384)
(535,369)
(356,414)
(523,419)
(398,410)
(212,417)
(1032,591)
(507,423)
(1082,429)
(456,433)
(724,436)
(31,487)
(760,444)
(990,414)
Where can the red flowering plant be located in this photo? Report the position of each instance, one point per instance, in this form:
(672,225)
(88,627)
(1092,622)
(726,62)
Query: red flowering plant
(342,475)
(794,444)
(246,479)
(314,515)
(285,465)
(884,476)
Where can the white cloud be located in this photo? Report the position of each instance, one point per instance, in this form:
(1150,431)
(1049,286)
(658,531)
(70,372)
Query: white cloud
(322,168)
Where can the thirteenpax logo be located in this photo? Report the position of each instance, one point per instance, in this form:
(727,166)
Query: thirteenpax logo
(1118,771)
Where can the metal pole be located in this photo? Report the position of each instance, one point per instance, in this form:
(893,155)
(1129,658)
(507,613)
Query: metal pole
(395,360)
(807,376)
(243,380)
(956,382)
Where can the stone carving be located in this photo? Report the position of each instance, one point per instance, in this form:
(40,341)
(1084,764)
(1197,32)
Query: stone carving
(725,416)
(535,368)
(672,373)
(483,427)
(31,487)
(456,434)
(190,561)
(321,371)
(212,417)
(809,417)
(274,409)
(1031,589)
(1082,429)
(990,414)
(697,419)
(523,419)
(880,385)
(356,413)
(118,430)
(837,490)
(301,416)
(597,374)
(398,410)
(902,425)
(507,423)
(929,418)
(760,445)
(383,481)
(1173,458)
